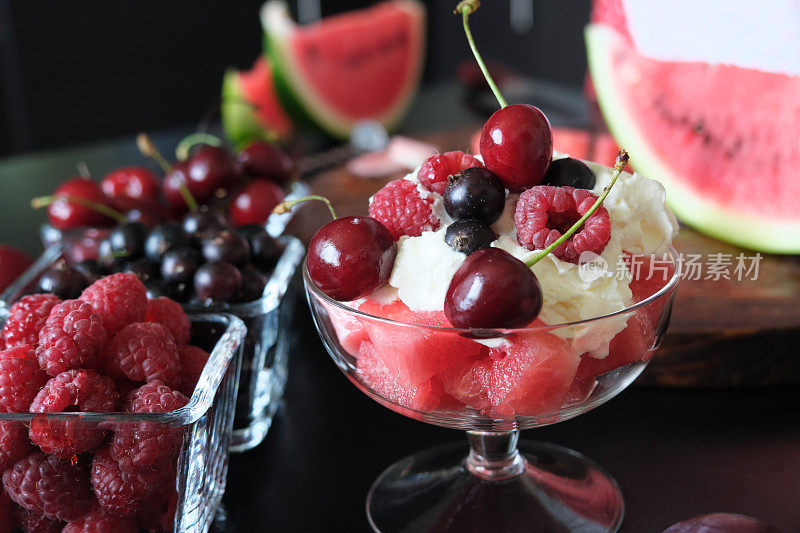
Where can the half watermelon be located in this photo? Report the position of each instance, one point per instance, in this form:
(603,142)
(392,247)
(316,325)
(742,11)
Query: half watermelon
(360,65)
(710,111)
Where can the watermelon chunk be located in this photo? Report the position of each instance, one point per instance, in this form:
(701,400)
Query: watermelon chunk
(721,136)
(371,370)
(413,355)
(350,330)
(531,376)
(359,65)
(250,108)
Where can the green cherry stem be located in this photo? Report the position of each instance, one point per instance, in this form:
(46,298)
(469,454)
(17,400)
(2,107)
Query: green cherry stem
(466,8)
(285,207)
(148,149)
(188,142)
(619,164)
(44,201)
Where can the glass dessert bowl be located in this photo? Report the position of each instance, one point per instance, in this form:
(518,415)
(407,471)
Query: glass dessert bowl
(492,384)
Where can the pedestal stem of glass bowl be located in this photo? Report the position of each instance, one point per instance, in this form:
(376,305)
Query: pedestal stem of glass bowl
(494,455)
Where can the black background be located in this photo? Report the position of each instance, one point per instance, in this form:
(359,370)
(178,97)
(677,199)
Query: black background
(85,70)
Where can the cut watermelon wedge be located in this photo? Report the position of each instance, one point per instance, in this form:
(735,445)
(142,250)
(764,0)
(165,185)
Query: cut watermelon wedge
(250,107)
(360,65)
(722,139)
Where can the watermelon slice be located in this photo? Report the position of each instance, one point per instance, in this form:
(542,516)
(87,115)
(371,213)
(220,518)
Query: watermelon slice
(250,107)
(360,65)
(722,138)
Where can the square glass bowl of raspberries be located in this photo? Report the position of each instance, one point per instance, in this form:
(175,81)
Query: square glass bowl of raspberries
(116,410)
(206,266)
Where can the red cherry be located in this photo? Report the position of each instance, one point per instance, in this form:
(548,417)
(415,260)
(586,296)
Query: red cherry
(148,212)
(351,257)
(172,186)
(13,262)
(254,203)
(264,160)
(517,145)
(492,289)
(136,183)
(63,214)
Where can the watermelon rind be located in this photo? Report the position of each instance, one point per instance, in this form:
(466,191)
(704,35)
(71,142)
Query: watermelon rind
(299,98)
(758,232)
(239,119)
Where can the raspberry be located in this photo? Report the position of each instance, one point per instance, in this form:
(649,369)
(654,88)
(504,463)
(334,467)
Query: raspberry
(72,337)
(119,298)
(193,361)
(403,210)
(436,169)
(98,521)
(544,213)
(170,314)
(26,318)
(141,446)
(74,390)
(45,484)
(14,444)
(37,522)
(144,351)
(8,519)
(20,379)
(161,515)
(123,493)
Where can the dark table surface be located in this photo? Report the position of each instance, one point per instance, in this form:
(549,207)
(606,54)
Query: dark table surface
(675,453)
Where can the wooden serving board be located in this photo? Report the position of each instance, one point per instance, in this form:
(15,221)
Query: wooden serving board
(723,333)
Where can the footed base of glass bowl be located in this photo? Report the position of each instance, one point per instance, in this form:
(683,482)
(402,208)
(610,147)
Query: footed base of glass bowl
(548,489)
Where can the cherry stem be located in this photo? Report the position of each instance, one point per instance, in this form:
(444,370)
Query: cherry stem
(285,207)
(187,143)
(466,8)
(148,149)
(43,201)
(83,170)
(619,164)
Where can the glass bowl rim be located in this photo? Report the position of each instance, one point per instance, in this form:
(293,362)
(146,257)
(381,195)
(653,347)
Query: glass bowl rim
(312,288)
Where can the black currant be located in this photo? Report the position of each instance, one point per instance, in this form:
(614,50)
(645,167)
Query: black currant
(475,193)
(467,236)
(571,173)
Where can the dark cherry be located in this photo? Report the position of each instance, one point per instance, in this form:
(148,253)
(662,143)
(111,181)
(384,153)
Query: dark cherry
(492,289)
(253,283)
(105,255)
(265,250)
(226,245)
(350,257)
(63,214)
(171,186)
(265,160)
(63,281)
(721,523)
(91,270)
(164,238)
(202,222)
(179,265)
(157,288)
(218,281)
(127,240)
(135,183)
(517,144)
(209,169)
(475,193)
(571,173)
(143,269)
(468,236)
(253,204)
(180,292)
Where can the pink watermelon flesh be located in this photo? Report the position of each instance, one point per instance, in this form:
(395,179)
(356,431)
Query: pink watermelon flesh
(259,90)
(424,396)
(380,47)
(412,354)
(350,330)
(529,377)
